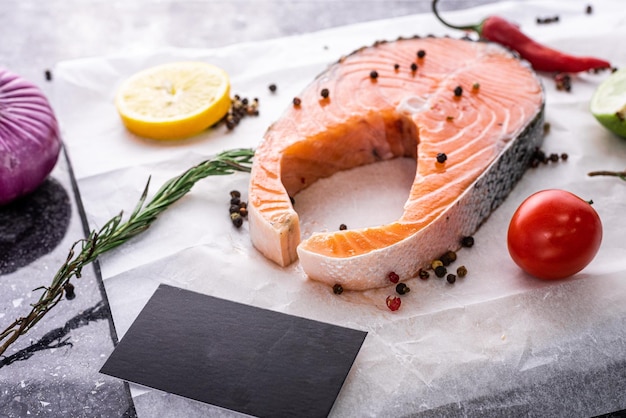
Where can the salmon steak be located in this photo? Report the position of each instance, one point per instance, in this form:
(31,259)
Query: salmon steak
(471,115)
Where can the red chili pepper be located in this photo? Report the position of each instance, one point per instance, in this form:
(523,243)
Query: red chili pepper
(541,57)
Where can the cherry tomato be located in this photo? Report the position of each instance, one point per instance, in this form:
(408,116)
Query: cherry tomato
(554,234)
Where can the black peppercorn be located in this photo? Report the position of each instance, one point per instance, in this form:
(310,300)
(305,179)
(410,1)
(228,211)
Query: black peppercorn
(467,242)
(69,291)
(451,278)
(458,91)
(373,74)
(235,193)
(440,271)
(421,53)
(448,258)
(461,271)
(297,101)
(402,289)
(442,157)
(396,67)
(337,289)
(343,227)
(325,93)
(237,219)
(272,87)
(423,274)
(413,67)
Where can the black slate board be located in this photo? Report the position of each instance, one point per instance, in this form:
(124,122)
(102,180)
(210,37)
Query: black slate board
(251,360)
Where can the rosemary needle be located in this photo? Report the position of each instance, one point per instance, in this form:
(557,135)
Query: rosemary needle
(116,232)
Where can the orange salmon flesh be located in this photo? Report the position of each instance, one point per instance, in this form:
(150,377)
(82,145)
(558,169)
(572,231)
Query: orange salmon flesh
(472,101)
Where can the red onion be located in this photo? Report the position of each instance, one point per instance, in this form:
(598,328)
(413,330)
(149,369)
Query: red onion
(29,137)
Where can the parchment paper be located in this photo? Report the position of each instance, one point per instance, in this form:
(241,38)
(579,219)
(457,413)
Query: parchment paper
(496,342)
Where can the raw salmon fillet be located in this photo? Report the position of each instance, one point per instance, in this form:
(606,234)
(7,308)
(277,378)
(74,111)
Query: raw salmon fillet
(472,101)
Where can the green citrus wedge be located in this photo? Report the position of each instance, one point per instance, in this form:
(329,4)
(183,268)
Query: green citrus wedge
(608,103)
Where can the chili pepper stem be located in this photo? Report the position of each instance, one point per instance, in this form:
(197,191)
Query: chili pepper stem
(478,28)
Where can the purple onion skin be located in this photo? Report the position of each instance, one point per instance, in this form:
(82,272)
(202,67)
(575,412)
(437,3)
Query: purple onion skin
(30,141)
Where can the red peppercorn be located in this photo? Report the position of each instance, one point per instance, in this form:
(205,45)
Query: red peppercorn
(393,277)
(393,302)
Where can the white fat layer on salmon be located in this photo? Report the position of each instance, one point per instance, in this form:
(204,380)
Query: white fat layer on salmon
(487,131)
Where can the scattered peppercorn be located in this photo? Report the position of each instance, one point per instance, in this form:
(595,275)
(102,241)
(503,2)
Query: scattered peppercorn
(402,289)
(448,258)
(337,289)
(393,303)
(467,242)
(413,67)
(546,128)
(240,108)
(551,19)
(458,91)
(325,93)
(48,75)
(440,271)
(238,209)
(589,9)
(423,274)
(297,101)
(461,271)
(272,87)
(237,219)
(476,86)
(393,277)
(373,74)
(451,278)
(69,291)
(396,67)
(421,53)
(343,227)
(442,157)
(435,263)
(563,82)
(540,157)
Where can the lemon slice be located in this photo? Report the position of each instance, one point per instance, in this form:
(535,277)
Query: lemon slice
(173,101)
(608,103)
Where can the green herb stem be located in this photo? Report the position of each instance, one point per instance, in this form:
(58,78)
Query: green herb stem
(620,174)
(115,233)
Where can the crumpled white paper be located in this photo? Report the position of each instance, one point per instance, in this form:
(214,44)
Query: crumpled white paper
(496,342)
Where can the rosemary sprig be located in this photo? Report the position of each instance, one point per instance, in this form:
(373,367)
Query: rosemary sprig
(620,174)
(115,233)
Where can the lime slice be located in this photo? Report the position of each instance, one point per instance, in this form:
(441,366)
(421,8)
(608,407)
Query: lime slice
(174,101)
(608,103)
